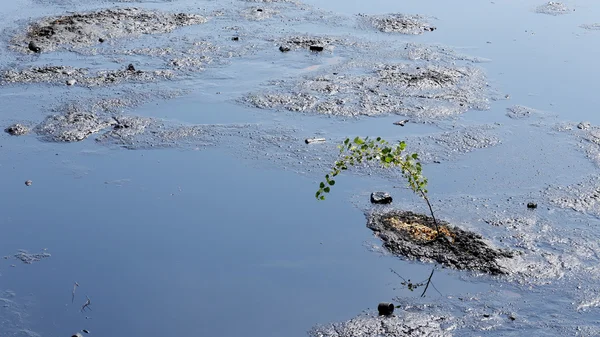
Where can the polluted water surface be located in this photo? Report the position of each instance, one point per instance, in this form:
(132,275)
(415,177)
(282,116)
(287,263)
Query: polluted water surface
(176,148)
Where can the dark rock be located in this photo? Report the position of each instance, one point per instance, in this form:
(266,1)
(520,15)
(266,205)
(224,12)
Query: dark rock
(235,38)
(101,40)
(259,10)
(531,205)
(316,48)
(130,67)
(284,49)
(385,309)
(416,236)
(17,130)
(34,47)
(381,198)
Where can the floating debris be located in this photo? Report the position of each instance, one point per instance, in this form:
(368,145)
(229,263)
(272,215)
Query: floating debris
(28,182)
(402,122)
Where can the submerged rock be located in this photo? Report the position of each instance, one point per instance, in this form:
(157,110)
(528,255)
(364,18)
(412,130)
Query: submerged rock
(415,236)
(17,130)
(399,23)
(553,8)
(85,29)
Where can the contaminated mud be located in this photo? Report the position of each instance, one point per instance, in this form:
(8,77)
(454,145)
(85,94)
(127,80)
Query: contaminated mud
(450,145)
(591,26)
(553,8)
(78,76)
(416,236)
(29,258)
(521,112)
(17,130)
(87,29)
(422,92)
(398,23)
(398,325)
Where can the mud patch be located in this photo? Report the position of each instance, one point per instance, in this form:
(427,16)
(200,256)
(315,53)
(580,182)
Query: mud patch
(79,76)
(403,324)
(398,23)
(592,26)
(29,258)
(72,126)
(355,89)
(582,197)
(415,236)
(553,8)
(258,13)
(521,112)
(449,145)
(86,29)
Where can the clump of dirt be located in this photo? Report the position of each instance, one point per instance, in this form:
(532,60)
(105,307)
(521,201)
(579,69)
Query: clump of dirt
(29,258)
(17,130)
(80,76)
(401,325)
(581,197)
(591,26)
(415,236)
(72,126)
(553,8)
(307,41)
(85,29)
(399,23)
(420,92)
(520,112)
(258,13)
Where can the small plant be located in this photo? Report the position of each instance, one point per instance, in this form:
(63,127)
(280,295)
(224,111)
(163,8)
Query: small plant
(361,150)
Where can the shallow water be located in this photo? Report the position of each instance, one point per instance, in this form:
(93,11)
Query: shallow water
(227,240)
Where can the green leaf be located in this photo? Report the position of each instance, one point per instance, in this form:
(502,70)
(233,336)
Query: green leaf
(327,189)
(322,185)
(415,156)
(322,197)
(332,182)
(358,141)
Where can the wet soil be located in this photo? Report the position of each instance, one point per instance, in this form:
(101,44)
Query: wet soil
(86,29)
(416,236)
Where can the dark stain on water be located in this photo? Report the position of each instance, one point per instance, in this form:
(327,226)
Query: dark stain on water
(218,209)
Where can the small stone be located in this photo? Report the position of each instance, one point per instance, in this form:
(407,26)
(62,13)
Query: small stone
(512,317)
(28,182)
(86,331)
(34,47)
(381,198)
(101,40)
(316,48)
(17,130)
(130,67)
(402,122)
(71,82)
(259,10)
(284,49)
(584,125)
(531,205)
(235,38)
